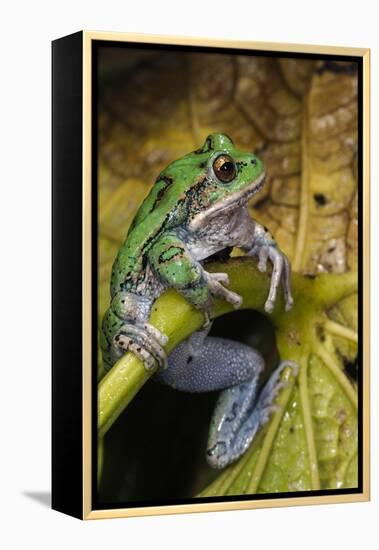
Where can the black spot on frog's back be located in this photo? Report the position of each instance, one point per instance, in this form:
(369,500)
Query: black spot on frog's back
(172,253)
(167,182)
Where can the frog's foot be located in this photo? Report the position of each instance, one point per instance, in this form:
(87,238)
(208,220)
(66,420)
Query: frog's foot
(161,338)
(144,341)
(234,424)
(265,248)
(215,283)
(266,401)
(238,416)
(281,273)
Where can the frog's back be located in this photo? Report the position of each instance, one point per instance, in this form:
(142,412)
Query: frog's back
(163,208)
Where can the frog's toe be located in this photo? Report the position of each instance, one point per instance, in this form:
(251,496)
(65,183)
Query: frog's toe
(266,413)
(216,281)
(266,402)
(269,306)
(217,456)
(221,278)
(143,344)
(125,343)
(207,319)
(234,299)
(289,303)
(160,337)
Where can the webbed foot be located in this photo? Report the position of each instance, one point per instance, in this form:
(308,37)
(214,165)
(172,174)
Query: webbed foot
(239,415)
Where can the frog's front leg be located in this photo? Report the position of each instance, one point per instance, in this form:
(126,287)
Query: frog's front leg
(264,247)
(202,364)
(175,267)
(126,328)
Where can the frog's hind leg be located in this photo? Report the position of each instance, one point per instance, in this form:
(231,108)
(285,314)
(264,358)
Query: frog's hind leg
(239,414)
(203,364)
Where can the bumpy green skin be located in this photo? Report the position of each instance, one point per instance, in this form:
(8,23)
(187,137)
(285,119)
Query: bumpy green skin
(180,192)
(155,254)
(170,260)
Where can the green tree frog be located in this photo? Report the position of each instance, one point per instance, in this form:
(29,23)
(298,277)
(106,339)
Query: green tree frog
(197,208)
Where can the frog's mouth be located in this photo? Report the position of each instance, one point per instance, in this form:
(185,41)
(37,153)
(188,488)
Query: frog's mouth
(229,204)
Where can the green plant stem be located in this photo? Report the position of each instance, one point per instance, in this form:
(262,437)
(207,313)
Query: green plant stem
(175,317)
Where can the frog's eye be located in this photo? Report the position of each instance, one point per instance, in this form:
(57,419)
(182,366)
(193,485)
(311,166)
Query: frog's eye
(224,168)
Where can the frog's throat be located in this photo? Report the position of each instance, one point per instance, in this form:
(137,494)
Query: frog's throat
(232,202)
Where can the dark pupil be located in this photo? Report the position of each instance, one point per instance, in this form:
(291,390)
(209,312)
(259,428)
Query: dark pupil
(224,168)
(227,167)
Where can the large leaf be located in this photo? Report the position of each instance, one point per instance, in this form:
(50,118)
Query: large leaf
(301,117)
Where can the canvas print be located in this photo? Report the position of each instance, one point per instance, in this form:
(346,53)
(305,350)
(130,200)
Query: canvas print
(228,189)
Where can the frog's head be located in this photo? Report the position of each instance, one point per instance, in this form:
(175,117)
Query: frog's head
(228,177)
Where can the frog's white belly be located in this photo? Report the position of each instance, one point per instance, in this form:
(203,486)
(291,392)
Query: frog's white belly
(230,229)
